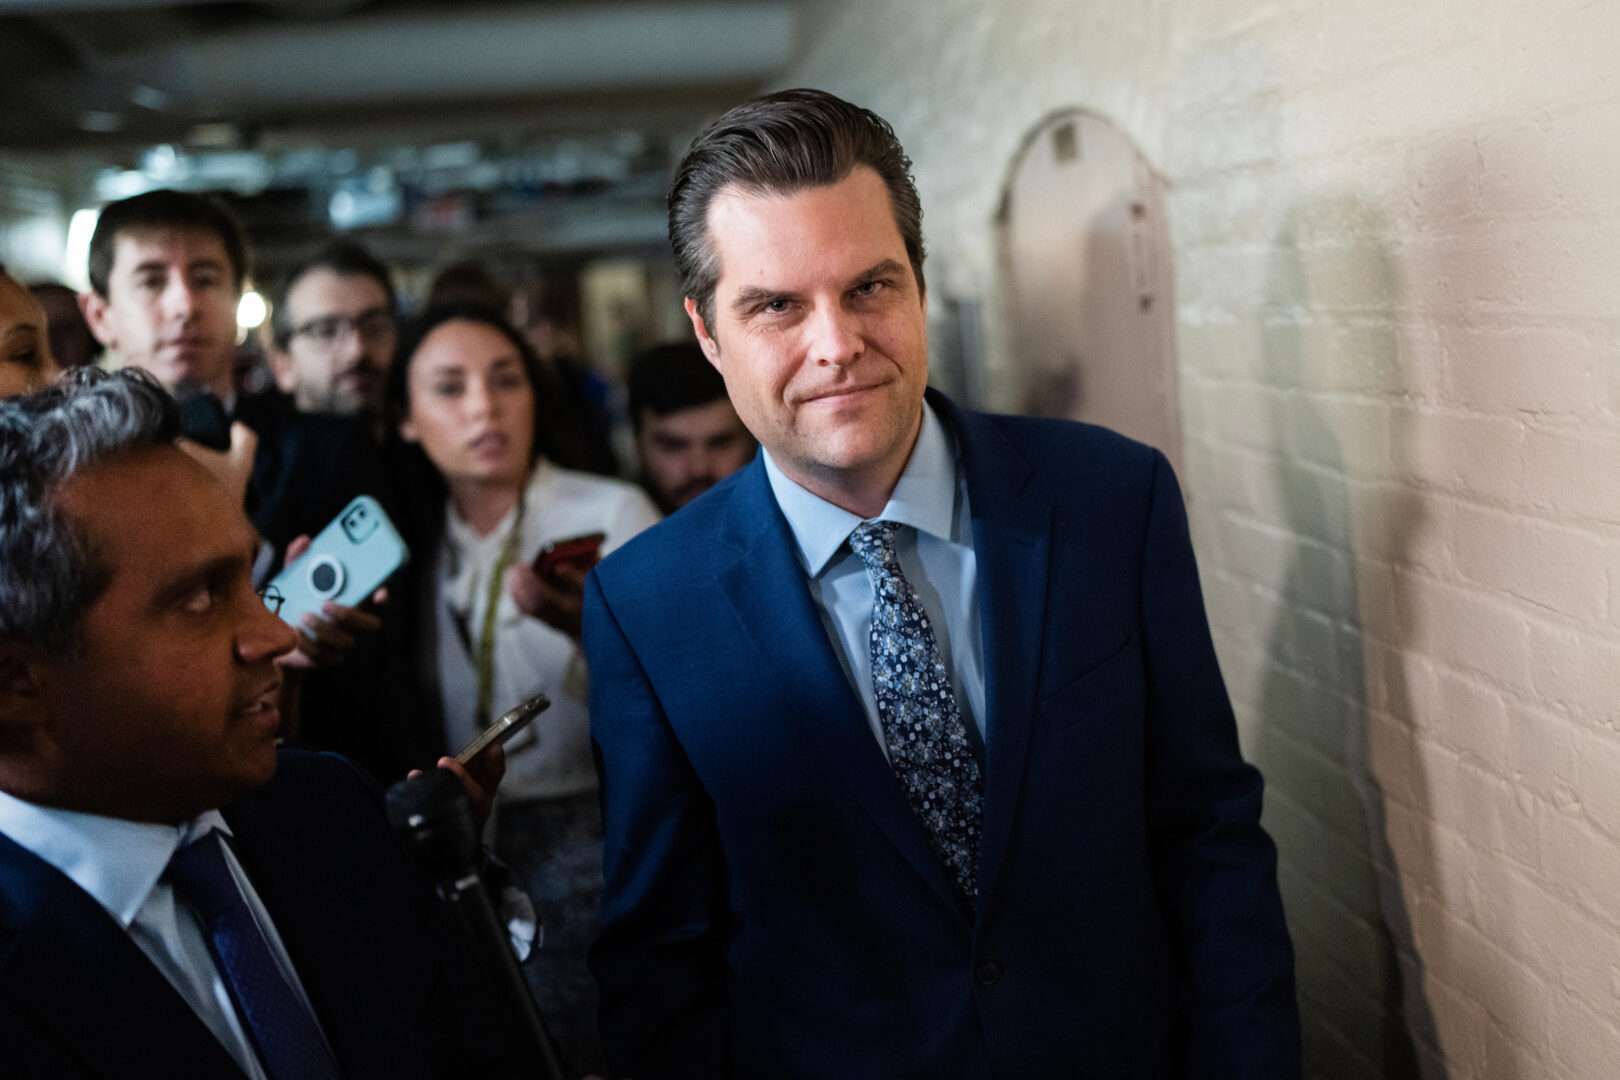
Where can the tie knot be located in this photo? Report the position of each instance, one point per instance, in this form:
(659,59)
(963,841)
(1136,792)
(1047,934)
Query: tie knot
(873,543)
(201,876)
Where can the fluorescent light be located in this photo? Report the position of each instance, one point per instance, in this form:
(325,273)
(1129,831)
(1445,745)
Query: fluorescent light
(251,311)
(76,252)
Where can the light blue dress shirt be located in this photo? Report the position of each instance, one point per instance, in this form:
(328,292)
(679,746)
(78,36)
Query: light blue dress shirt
(935,553)
(120,863)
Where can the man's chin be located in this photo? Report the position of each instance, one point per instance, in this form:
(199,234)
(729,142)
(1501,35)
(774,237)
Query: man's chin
(851,450)
(257,765)
(183,370)
(354,395)
(688,493)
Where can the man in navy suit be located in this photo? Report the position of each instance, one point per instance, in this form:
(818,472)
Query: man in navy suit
(177,898)
(916,759)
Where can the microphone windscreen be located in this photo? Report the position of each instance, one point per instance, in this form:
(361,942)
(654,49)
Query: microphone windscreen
(428,797)
(433,818)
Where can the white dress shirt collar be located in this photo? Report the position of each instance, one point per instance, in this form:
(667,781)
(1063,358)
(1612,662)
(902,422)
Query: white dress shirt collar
(117,861)
(924,498)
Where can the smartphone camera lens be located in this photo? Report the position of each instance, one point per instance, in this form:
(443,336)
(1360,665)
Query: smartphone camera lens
(326,577)
(359,523)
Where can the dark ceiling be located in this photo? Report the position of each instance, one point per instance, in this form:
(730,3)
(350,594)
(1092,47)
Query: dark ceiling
(540,124)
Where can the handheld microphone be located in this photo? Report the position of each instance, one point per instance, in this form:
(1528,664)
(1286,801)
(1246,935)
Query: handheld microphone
(433,818)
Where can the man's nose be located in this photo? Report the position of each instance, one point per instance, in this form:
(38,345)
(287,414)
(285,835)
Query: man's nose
(835,336)
(703,463)
(349,346)
(179,300)
(263,636)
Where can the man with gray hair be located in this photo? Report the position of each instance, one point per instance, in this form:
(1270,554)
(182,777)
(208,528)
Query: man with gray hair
(916,760)
(177,897)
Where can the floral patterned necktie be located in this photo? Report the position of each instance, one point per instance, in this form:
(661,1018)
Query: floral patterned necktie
(922,726)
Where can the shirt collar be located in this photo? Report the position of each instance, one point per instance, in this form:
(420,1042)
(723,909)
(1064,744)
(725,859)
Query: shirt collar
(924,498)
(117,861)
(470,552)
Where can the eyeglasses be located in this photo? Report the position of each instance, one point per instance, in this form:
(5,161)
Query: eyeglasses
(272,599)
(325,332)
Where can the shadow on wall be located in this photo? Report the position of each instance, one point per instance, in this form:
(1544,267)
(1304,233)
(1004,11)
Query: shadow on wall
(1334,738)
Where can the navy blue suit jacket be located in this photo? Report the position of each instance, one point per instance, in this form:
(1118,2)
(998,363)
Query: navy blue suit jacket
(772,905)
(78,998)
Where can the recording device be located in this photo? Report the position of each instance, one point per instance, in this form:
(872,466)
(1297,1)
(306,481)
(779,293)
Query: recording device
(203,419)
(510,723)
(576,552)
(434,820)
(347,562)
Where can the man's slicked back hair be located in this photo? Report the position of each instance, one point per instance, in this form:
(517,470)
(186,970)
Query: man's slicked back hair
(164,209)
(50,573)
(778,145)
(342,257)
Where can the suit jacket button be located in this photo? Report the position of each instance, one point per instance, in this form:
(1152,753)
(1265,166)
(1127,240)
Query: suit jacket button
(989,972)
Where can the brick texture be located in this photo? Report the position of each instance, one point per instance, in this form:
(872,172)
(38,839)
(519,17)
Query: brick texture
(1395,230)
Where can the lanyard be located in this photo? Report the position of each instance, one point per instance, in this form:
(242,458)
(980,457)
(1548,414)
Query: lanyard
(486,636)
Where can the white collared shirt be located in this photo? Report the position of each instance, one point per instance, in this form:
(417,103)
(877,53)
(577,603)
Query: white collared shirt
(936,555)
(120,863)
(552,758)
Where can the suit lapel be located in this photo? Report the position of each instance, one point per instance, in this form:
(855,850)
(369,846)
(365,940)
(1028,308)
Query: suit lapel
(1012,543)
(771,597)
(327,933)
(76,970)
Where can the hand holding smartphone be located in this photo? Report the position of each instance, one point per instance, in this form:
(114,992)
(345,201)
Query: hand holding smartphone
(347,562)
(510,723)
(578,553)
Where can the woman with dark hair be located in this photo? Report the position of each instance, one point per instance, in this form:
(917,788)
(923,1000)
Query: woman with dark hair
(480,499)
(25,349)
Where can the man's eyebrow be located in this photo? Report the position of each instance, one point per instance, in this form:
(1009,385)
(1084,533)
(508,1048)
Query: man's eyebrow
(750,295)
(201,262)
(886,268)
(192,578)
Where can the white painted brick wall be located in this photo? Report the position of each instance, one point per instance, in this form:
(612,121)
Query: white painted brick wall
(1396,231)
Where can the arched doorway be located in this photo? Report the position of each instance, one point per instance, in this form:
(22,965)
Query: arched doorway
(1085,254)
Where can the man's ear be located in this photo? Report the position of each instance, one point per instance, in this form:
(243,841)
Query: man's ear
(407,430)
(95,309)
(22,697)
(711,347)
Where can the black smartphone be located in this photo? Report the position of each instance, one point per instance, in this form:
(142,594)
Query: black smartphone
(511,722)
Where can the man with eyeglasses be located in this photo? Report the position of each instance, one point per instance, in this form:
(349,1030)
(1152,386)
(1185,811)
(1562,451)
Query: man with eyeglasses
(333,333)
